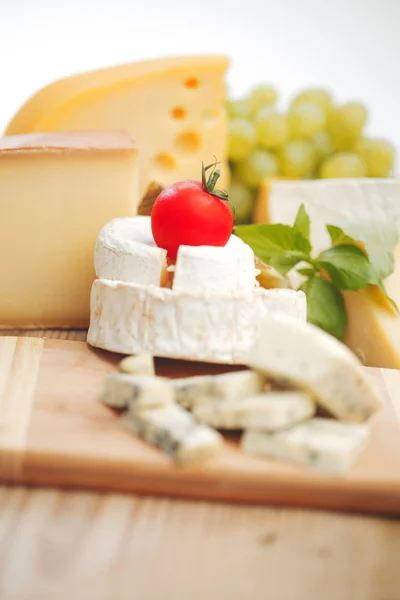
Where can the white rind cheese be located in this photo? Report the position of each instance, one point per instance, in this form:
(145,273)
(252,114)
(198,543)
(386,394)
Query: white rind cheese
(137,391)
(305,356)
(203,269)
(126,251)
(140,365)
(323,444)
(191,391)
(270,411)
(174,431)
(334,202)
(220,328)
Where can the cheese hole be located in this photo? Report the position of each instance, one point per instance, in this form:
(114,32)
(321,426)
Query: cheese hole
(165,161)
(192,83)
(188,142)
(178,112)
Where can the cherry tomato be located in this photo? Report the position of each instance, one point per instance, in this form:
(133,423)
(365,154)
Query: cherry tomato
(187,213)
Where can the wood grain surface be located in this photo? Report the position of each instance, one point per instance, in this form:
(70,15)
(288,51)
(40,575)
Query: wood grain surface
(84,546)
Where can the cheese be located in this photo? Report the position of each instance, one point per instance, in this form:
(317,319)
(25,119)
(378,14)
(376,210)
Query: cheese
(309,358)
(56,192)
(173,107)
(126,251)
(143,365)
(270,411)
(124,390)
(323,444)
(332,202)
(174,431)
(191,391)
(223,269)
(136,319)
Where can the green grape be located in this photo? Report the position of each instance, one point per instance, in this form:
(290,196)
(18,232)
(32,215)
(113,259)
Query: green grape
(272,129)
(345,164)
(241,139)
(323,145)
(262,95)
(305,120)
(243,199)
(320,97)
(379,156)
(297,159)
(345,124)
(238,108)
(259,164)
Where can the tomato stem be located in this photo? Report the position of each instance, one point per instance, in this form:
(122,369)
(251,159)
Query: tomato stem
(210,183)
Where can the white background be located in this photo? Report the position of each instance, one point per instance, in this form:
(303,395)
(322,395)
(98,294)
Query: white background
(352,46)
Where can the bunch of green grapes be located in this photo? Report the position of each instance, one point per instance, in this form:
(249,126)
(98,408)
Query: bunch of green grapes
(314,138)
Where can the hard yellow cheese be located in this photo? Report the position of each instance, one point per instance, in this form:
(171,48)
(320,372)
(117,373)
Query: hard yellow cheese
(173,107)
(56,192)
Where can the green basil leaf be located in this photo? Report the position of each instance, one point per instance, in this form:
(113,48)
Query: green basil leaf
(302,225)
(271,240)
(284,262)
(306,271)
(325,306)
(347,266)
(337,235)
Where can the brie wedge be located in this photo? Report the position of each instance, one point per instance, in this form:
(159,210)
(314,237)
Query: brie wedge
(221,328)
(324,444)
(305,356)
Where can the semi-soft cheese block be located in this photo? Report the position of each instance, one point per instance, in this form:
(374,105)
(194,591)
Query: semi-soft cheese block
(57,190)
(303,355)
(173,107)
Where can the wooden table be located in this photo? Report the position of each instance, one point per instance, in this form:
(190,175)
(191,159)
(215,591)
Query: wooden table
(57,545)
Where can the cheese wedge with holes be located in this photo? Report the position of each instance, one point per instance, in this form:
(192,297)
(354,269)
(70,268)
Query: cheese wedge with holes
(270,411)
(126,251)
(323,444)
(57,190)
(307,357)
(173,107)
(221,328)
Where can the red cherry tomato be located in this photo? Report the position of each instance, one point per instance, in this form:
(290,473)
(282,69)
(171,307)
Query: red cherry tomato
(186,213)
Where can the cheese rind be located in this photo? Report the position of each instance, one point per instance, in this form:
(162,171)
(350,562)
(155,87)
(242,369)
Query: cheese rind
(56,193)
(323,444)
(221,269)
(221,328)
(270,411)
(174,107)
(174,431)
(126,251)
(139,365)
(123,390)
(309,358)
(191,391)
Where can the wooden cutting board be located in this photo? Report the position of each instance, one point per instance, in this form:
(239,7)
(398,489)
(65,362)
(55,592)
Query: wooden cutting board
(54,431)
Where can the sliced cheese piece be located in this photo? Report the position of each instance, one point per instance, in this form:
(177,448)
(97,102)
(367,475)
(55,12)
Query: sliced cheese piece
(56,192)
(174,108)
(307,357)
(126,251)
(174,431)
(323,444)
(332,202)
(191,391)
(220,328)
(270,411)
(123,390)
(202,269)
(140,365)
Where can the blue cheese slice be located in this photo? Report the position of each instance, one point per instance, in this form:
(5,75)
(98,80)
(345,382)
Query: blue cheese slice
(142,364)
(124,390)
(270,411)
(306,357)
(324,444)
(174,431)
(191,391)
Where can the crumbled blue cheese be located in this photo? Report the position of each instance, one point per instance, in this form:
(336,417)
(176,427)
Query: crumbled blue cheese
(143,364)
(124,390)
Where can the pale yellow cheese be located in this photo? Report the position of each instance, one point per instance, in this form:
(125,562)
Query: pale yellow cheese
(373,329)
(56,192)
(173,107)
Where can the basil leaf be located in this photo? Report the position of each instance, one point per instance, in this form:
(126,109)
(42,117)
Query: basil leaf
(347,266)
(271,240)
(284,262)
(302,225)
(325,306)
(337,235)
